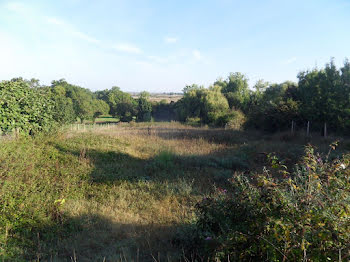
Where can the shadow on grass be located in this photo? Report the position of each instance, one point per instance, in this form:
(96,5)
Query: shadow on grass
(91,237)
(111,166)
(213,135)
(100,238)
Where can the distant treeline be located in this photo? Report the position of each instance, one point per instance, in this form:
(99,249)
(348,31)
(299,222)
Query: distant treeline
(321,96)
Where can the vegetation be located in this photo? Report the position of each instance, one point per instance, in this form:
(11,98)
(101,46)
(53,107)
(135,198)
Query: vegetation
(24,107)
(231,184)
(129,192)
(320,100)
(279,216)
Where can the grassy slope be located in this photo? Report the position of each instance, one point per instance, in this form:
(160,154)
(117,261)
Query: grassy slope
(120,193)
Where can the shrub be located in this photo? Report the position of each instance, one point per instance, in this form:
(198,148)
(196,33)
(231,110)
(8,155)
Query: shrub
(304,216)
(233,119)
(25,108)
(193,121)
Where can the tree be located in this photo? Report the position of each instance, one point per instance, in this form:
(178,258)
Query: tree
(236,90)
(64,111)
(206,104)
(100,107)
(85,104)
(144,108)
(122,105)
(324,96)
(25,108)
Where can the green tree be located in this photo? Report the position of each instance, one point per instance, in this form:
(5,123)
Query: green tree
(100,107)
(144,108)
(82,99)
(236,90)
(324,96)
(63,106)
(122,105)
(208,105)
(25,108)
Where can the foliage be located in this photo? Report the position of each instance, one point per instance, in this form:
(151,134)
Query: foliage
(100,107)
(324,96)
(280,216)
(236,89)
(25,108)
(85,105)
(121,104)
(273,107)
(144,108)
(163,111)
(64,110)
(233,119)
(207,104)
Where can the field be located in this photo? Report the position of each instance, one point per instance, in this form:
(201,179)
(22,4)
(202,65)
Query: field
(159,97)
(126,192)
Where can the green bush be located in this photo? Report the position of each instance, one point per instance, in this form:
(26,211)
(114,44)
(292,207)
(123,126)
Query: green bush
(298,216)
(233,119)
(24,108)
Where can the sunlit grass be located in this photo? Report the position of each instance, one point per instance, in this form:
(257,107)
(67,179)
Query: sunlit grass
(128,190)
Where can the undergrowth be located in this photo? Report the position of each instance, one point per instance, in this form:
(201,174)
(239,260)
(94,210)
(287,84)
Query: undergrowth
(127,193)
(297,215)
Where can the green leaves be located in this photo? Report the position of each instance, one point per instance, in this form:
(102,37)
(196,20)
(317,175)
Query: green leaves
(25,108)
(304,217)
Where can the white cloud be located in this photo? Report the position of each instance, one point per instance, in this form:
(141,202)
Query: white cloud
(71,30)
(290,61)
(158,59)
(16,7)
(170,40)
(197,55)
(127,48)
(85,37)
(55,21)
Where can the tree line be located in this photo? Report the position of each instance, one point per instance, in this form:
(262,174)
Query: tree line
(321,96)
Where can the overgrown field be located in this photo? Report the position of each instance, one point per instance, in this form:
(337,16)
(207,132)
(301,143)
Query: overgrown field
(125,193)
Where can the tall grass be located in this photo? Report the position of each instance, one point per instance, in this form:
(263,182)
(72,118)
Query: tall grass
(125,192)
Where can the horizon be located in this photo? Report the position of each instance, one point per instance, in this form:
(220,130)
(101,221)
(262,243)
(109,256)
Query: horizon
(162,47)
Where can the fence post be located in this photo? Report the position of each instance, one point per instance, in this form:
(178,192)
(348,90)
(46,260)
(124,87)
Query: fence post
(325,130)
(308,128)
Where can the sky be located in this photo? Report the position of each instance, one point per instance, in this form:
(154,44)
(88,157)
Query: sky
(163,45)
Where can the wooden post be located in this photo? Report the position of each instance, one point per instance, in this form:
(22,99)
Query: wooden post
(292,128)
(325,130)
(308,128)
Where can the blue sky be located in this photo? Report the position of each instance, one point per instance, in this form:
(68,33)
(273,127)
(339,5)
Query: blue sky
(162,46)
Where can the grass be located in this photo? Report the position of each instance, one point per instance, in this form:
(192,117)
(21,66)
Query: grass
(160,97)
(106,119)
(121,193)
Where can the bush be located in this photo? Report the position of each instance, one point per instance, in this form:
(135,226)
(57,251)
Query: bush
(193,121)
(234,119)
(24,108)
(304,216)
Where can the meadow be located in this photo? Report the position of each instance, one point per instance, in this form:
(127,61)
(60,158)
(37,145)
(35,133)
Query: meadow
(125,192)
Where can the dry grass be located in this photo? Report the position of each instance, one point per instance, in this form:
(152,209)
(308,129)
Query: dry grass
(160,97)
(130,189)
